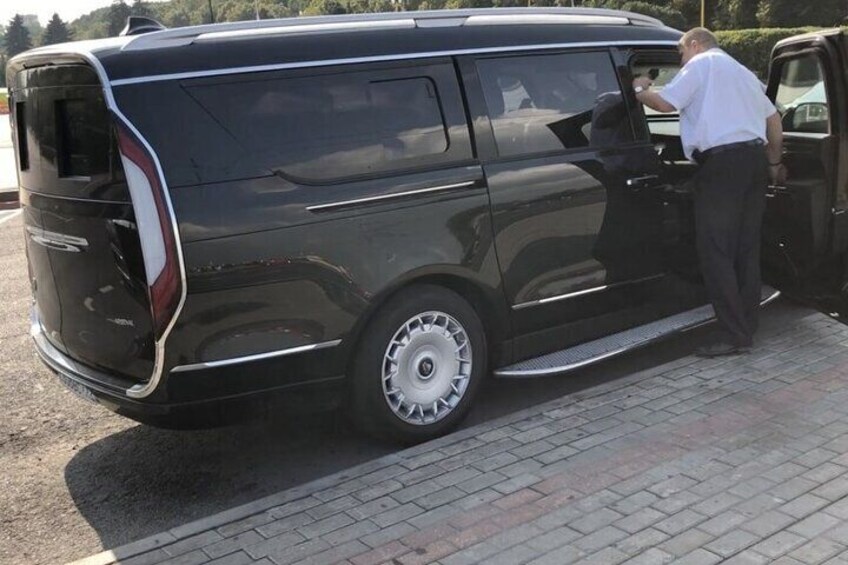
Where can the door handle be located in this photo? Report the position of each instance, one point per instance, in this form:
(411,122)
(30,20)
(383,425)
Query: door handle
(773,190)
(643,182)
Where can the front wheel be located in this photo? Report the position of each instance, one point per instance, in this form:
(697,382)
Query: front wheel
(419,365)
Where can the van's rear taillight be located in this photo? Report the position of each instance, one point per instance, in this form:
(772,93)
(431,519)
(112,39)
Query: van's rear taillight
(158,243)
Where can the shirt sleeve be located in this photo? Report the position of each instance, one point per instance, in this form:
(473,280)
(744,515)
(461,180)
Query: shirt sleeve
(768,107)
(681,90)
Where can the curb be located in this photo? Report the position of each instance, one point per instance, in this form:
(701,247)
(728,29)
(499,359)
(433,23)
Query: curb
(156,541)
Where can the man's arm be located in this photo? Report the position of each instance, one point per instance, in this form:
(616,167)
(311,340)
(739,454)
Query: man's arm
(774,150)
(654,101)
(651,99)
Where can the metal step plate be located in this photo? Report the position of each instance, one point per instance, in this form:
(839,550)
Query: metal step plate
(615,344)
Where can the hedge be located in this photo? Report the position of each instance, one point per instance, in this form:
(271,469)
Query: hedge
(752,47)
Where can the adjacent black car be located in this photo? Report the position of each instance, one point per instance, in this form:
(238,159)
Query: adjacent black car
(382,209)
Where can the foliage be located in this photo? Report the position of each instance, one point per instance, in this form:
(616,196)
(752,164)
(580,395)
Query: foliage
(118,14)
(783,13)
(56,31)
(33,26)
(665,10)
(752,47)
(18,39)
(142,8)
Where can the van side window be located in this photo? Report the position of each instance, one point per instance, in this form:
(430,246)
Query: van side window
(544,103)
(332,126)
(801,96)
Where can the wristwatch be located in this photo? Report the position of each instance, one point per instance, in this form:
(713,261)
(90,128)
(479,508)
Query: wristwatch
(639,89)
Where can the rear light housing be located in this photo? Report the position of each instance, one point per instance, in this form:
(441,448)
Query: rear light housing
(156,231)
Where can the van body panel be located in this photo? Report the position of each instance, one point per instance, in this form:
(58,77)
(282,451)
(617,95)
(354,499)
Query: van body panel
(285,288)
(82,244)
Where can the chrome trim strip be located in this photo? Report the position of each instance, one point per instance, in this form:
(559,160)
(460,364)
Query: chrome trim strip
(545,19)
(557,298)
(370,199)
(399,23)
(384,58)
(256,357)
(143,390)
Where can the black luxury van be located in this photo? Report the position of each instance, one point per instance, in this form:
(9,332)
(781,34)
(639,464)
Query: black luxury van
(382,209)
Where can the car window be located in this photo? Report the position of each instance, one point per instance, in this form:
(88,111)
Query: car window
(801,96)
(332,126)
(661,74)
(545,103)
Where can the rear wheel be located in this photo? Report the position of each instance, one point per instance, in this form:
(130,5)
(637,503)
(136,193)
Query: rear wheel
(419,365)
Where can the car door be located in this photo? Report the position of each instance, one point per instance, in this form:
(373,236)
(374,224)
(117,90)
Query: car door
(576,220)
(805,231)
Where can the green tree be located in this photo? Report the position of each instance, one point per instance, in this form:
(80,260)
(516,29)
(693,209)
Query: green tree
(142,8)
(454,4)
(56,31)
(690,10)
(319,7)
(660,9)
(34,27)
(791,13)
(743,14)
(17,37)
(117,19)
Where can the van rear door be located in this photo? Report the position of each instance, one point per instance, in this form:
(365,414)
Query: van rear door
(805,230)
(88,276)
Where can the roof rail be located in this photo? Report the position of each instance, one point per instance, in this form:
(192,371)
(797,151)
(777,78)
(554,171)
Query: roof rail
(427,18)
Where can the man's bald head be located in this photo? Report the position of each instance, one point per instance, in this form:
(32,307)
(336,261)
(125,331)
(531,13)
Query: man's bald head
(695,41)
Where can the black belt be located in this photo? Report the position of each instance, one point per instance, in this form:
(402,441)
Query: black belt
(701,156)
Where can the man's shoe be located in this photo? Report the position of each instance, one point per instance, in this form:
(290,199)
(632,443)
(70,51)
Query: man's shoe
(720,349)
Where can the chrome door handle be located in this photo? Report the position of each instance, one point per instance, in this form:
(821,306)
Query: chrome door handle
(642,182)
(773,190)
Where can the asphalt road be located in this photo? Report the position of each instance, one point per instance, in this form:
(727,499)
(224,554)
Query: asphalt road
(77,479)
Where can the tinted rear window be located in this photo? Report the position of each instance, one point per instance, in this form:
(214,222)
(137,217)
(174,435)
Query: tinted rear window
(82,129)
(333,126)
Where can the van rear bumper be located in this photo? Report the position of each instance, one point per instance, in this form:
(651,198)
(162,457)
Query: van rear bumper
(212,406)
(91,384)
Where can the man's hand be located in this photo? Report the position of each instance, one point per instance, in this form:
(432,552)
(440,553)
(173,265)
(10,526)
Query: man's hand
(777,175)
(650,98)
(644,82)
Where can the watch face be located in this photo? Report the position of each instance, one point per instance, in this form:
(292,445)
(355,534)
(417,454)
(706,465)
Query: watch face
(639,89)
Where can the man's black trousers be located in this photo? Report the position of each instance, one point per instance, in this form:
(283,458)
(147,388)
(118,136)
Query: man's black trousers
(730,199)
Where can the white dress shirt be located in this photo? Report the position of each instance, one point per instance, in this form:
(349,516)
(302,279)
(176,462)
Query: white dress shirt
(719,100)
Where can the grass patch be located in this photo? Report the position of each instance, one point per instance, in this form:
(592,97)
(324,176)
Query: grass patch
(4,103)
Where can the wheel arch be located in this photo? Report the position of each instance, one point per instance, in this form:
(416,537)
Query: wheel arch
(488,303)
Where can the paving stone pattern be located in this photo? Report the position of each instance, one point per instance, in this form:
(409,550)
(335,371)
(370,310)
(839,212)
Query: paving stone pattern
(736,460)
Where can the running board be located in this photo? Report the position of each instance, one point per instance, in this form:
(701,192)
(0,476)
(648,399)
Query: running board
(616,344)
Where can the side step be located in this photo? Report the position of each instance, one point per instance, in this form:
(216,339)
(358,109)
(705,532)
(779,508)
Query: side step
(616,344)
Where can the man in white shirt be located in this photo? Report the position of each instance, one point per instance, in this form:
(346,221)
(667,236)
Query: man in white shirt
(725,119)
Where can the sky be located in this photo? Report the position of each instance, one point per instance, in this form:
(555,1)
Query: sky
(68,10)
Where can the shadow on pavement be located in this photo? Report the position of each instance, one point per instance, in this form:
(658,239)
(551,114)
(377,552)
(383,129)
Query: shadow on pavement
(145,480)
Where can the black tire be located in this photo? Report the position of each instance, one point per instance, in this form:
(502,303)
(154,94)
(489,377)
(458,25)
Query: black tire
(371,403)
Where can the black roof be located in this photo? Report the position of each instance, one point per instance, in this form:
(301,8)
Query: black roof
(263,43)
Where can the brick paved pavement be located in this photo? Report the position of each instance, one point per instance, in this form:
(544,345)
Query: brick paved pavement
(741,460)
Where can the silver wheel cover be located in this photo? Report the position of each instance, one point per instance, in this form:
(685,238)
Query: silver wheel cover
(427,368)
